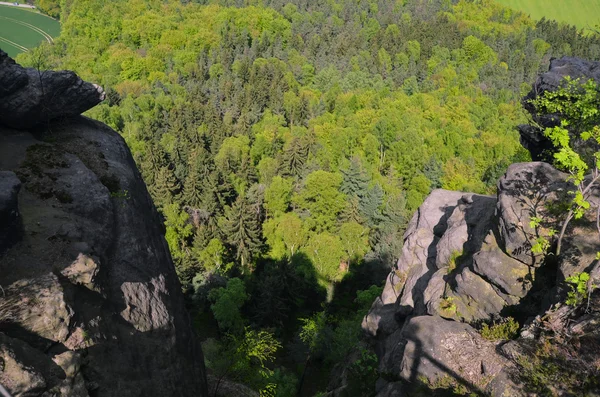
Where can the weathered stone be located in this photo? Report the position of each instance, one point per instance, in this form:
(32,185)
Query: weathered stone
(74,384)
(26,371)
(393,389)
(509,275)
(29,96)
(92,271)
(37,310)
(436,348)
(523,193)
(9,209)
(471,258)
(418,260)
(82,271)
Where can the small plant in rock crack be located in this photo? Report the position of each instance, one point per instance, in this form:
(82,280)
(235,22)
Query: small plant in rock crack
(447,304)
(454,260)
(122,194)
(542,244)
(580,286)
(505,329)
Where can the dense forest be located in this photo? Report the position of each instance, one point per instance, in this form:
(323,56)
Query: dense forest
(287,144)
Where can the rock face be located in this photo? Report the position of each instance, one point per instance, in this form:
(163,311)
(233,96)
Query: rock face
(90,303)
(9,210)
(31,96)
(532,137)
(469,258)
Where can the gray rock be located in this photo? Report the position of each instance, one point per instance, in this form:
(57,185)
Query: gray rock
(509,275)
(9,209)
(29,96)
(26,371)
(92,271)
(436,348)
(523,192)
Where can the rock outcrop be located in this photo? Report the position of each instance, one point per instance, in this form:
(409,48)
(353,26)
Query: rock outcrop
(469,258)
(31,96)
(90,304)
(532,137)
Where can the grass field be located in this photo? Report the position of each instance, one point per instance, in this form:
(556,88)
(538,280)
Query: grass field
(21,29)
(581,13)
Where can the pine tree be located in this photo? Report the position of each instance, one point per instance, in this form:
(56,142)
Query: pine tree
(166,187)
(194,182)
(356,181)
(370,205)
(242,231)
(294,157)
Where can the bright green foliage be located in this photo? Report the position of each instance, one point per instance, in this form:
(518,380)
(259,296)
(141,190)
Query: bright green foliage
(178,229)
(285,235)
(505,329)
(364,299)
(326,251)
(245,357)
(319,129)
(322,199)
(580,288)
(278,196)
(448,306)
(578,105)
(212,257)
(312,331)
(355,240)
(227,304)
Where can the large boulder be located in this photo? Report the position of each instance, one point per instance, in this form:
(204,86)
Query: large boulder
(429,348)
(30,96)
(90,303)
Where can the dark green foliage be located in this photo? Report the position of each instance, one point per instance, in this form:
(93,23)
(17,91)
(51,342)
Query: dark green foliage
(286,143)
(241,228)
(227,305)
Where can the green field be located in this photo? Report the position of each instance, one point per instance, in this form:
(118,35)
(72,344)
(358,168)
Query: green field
(21,29)
(581,13)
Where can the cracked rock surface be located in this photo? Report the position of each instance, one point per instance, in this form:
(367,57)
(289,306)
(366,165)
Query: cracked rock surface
(90,303)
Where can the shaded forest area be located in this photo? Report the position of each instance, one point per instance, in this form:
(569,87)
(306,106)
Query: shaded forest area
(287,145)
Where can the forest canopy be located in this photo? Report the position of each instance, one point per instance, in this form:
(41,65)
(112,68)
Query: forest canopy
(287,144)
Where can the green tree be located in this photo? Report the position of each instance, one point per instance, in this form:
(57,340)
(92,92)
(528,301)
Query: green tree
(278,196)
(322,199)
(245,357)
(179,229)
(212,257)
(578,105)
(165,187)
(228,302)
(242,231)
(326,251)
(355,240)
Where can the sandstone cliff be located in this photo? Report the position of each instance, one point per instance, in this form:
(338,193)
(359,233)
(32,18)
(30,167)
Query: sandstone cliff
(90,304)
(468,258)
